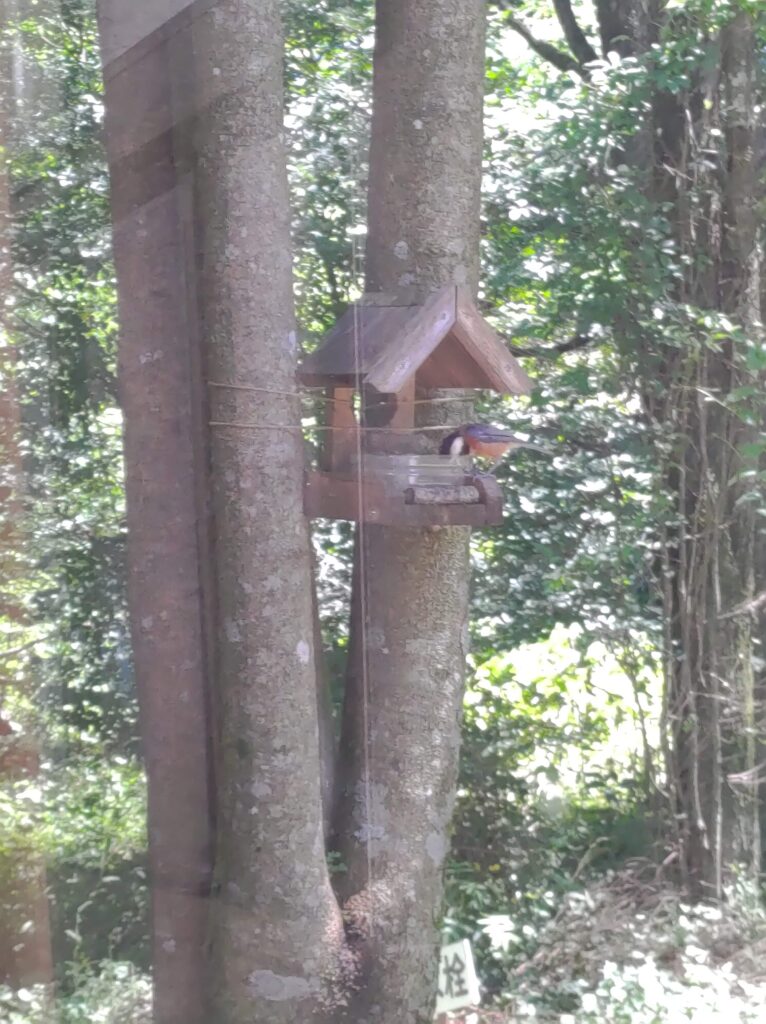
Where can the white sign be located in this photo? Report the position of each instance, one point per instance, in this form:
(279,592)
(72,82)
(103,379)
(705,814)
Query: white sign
(458,984)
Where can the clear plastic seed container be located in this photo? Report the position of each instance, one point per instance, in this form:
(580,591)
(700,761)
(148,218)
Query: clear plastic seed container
(398,472)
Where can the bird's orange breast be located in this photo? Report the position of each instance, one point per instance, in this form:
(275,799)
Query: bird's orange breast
(488,449)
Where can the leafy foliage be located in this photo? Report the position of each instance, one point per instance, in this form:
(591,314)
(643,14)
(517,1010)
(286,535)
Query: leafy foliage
(552,786)
(63,331)
(115,993)
(64,647)
(561,776)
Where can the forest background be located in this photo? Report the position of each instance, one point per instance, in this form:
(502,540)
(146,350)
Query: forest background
(574,867)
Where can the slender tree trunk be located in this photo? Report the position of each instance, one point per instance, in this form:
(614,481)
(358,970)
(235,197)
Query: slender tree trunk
(162,398)
(328,743)
(276,933)
(401,727)
(759,613)
(711,552)
(695,155)
(711,682)
(742,281)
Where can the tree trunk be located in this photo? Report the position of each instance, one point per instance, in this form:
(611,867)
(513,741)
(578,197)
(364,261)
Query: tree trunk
(694,155)
(711,682)
(711,551)
(276,933)
(741,283)
(400,737)
(162,399)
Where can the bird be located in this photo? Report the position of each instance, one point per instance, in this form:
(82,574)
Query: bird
(485,441)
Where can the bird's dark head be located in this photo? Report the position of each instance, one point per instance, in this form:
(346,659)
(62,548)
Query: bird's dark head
(454,444)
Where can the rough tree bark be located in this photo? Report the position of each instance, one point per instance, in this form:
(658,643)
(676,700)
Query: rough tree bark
(400,736)
(276,931)
(201,238)
(161,396)
(740,283)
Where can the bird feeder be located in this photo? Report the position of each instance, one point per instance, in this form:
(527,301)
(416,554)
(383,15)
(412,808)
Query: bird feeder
(373,362)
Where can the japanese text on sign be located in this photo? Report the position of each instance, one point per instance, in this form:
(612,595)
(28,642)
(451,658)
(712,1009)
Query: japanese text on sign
(458,984)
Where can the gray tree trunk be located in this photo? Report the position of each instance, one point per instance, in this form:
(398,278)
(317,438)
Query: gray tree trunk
(401,727)
(162,397)
(276,931)
(202,237)
(741,281)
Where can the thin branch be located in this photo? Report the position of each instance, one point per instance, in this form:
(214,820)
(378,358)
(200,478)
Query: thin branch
(588,856)
(558,58)
(747,607)
(572,344)
(11,652)
(750,777)
(576,39)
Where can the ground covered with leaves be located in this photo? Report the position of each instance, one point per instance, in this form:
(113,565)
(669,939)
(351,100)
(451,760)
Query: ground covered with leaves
(626,948)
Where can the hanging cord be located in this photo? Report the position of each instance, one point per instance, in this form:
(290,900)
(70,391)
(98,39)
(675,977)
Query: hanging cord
(356,272)
(309,393)
(359,430)
(357,276)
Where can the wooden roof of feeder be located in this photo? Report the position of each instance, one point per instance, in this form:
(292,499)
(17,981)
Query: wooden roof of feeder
(444,341)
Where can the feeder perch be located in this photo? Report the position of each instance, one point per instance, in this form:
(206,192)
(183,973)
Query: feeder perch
(376,358)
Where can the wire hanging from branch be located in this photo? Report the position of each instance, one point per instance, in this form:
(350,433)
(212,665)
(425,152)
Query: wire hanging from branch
(356,271)
(308,393)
